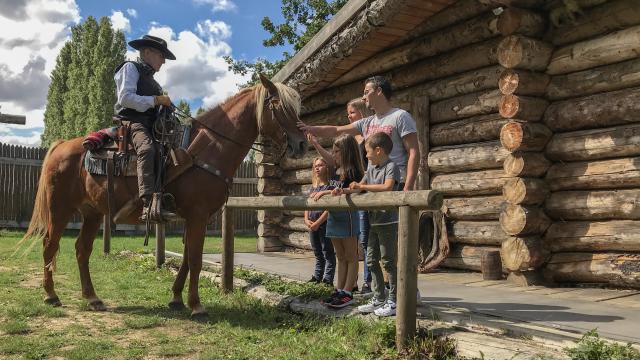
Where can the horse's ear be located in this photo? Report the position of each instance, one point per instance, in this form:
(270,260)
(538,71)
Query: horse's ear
(268,85)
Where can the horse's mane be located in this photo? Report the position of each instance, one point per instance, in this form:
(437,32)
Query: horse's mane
(289,99)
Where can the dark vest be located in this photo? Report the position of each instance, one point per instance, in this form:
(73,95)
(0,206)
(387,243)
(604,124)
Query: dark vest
(147,86)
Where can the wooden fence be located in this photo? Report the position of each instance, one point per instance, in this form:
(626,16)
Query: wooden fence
(20,170)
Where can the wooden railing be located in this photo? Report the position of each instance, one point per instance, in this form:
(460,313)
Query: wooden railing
(408,203)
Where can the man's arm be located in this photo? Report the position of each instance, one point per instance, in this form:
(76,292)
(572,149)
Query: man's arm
(328,131)
(410,142)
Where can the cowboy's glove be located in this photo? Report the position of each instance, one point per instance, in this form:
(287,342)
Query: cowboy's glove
(162,100)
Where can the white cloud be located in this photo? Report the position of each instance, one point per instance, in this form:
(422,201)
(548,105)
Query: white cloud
(217,5)
(33,32)
(132,12)
(216,29)
(199,70)
(119,21)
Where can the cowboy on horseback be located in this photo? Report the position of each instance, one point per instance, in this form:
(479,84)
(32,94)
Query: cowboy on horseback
(138,99)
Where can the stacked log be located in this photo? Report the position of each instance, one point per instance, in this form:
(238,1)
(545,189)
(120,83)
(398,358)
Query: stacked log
(595,180)
(268,220)
(522,104)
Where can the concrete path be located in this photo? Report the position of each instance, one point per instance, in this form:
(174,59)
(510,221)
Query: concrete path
(464,297)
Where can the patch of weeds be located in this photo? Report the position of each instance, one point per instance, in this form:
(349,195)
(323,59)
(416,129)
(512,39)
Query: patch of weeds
(591,347)
(175,348)
(136,350)
(426,345)
(143,322)
(30,309)
(15,327)
(278,285)
(88,349)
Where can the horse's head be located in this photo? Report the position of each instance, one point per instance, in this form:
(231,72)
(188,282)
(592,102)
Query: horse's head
(278,114)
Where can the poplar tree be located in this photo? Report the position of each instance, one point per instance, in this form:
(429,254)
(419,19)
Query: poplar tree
(82,91)
(76,102)
(54,114)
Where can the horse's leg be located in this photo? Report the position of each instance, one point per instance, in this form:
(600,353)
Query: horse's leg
(194,239)
(50,247)
(84,247)
(178,285)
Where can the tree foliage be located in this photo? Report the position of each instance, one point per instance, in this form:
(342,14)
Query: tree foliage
(302,20)
(82,91)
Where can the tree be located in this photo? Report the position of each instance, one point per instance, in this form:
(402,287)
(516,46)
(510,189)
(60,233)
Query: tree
(184,110)
(54,112)
(82,91)
(303,19)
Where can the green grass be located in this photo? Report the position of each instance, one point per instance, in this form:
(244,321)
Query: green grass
(138,323)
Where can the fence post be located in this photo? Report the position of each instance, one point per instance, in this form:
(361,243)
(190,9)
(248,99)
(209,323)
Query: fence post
(407,275)
(106,235)
(227,249)
(159,245)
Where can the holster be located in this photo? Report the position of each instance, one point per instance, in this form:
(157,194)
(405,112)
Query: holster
(123,137)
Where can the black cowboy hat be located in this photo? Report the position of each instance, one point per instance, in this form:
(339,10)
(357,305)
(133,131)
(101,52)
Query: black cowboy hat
(153,42)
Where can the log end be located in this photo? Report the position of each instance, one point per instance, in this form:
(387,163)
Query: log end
(523,253)
(510,51)
(511,135)
(509,106)
(508,82)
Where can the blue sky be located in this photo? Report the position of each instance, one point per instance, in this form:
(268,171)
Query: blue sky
(199,32)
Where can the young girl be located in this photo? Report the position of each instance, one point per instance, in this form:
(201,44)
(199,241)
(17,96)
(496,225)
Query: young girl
(316,222)
(356,110)
(343,226)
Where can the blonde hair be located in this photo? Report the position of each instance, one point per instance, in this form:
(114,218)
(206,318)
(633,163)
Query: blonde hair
(315,179)
(360,106)
(350,158)
(289,100)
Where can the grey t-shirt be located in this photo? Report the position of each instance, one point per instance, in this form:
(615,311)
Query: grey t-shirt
(378,175)
(397,123)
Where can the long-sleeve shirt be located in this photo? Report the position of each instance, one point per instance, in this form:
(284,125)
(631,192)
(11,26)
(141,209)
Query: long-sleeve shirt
(126,85)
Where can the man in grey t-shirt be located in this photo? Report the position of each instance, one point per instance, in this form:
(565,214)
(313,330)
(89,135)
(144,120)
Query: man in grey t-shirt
(396,123)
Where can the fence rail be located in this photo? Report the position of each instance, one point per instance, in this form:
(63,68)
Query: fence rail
(20,170)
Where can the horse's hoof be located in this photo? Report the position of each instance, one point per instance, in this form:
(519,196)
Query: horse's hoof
(97,305)
(54,301)
(200,316)
(177,306)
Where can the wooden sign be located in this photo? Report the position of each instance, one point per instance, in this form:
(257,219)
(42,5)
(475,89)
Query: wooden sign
(12,119)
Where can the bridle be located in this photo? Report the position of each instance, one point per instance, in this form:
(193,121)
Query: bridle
(273,103)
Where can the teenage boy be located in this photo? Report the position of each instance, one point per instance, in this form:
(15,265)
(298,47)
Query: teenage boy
(382,175)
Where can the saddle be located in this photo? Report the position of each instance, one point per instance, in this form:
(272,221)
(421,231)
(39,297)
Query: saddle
(111,153)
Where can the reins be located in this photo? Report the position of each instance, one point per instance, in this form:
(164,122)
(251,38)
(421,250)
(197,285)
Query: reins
(252,146)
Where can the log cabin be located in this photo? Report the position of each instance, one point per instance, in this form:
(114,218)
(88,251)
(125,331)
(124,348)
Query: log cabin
(528,118)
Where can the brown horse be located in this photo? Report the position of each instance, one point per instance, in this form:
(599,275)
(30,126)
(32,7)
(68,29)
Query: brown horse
(268,109)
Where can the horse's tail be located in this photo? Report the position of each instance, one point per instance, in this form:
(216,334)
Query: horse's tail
(40,216)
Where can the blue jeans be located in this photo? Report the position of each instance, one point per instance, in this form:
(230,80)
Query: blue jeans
(363,238)
(324,254)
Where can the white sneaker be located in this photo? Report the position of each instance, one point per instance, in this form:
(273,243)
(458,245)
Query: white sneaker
(389,309)
(371,306)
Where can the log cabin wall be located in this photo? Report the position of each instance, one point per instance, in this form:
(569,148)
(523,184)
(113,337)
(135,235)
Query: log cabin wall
(453,59)
(595,148)
(533,136)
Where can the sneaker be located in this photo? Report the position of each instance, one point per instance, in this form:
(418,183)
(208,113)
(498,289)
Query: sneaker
(371,306)
(366,288)
(330,299)
(313,280)
(341,301)
(388,309)
(327,282)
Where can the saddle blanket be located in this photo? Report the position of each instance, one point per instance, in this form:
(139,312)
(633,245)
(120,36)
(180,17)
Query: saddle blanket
(96,164)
